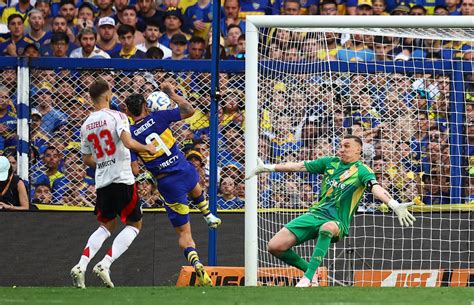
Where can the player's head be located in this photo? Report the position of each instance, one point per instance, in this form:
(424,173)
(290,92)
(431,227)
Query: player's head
(99,91)
(135,104)
(351,149)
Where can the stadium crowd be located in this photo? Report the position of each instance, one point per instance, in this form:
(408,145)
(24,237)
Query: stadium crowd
(402,118)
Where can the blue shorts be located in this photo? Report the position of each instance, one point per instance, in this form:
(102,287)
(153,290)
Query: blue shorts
(174,189)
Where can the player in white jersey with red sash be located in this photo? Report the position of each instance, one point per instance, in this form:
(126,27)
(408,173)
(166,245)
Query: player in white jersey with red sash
(105,144)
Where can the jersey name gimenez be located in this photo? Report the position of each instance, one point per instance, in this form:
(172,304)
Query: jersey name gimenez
(155,128)
(100,136)
(341,189)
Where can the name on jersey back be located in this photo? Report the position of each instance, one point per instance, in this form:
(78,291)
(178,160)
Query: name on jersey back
(96,124)
(144,127)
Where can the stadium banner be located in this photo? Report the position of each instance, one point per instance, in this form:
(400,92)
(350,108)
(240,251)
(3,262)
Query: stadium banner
(414,278)
(235,276)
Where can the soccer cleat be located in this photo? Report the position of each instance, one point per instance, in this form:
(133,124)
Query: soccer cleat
(203,278)
(104,274)
(304,282)
(78,277)
(212,221)
(315,279)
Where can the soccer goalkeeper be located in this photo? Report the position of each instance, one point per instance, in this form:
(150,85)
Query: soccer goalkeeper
(344,181)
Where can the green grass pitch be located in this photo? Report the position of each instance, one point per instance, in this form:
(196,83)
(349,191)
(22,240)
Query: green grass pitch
(236,296)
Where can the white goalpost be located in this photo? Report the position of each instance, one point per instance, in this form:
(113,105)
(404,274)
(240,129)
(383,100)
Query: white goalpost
(405,85)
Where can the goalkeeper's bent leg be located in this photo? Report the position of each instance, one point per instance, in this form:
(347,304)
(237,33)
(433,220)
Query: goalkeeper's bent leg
(291,258)
(320,251)
(201,203)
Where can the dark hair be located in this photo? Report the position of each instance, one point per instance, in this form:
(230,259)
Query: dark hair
(58,37)
(98,87)
(326,2)
(232,26)
(355,138)
(130,8)
(13,16)
(417,6)
(154,53)
(292,1)
(241,37)
(125,29)
(197,39)
(134,103)
(65,2)
(152,23)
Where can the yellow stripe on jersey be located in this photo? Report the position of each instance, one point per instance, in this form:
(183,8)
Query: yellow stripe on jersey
(167,138)
(356,197)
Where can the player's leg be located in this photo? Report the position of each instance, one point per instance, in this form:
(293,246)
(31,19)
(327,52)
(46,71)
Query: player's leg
(130,213)
(108,223)
(198,199)
(280,246)
(327,231)
(186,242)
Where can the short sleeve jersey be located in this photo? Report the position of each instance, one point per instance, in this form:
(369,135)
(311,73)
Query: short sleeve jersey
(341,189)
(100,136)
(155,128)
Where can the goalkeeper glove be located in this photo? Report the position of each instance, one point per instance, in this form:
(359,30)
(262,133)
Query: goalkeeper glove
(404,217)
(260,168)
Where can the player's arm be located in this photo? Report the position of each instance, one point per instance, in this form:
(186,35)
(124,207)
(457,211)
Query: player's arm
(130,143)
(88,160)
(186,109)
(283,167)
(404,217)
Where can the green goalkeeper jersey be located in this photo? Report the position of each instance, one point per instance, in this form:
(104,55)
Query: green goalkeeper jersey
(341,189)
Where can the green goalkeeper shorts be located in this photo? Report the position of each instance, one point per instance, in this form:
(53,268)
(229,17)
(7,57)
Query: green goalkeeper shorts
(306,227)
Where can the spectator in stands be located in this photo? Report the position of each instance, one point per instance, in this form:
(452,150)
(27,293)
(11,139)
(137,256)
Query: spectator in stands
(13,194)
(21,8)
(379,7)
(467,7)
(85,17)
(8,121)
(59,45)
(44,6)
(154,53)
(453,7)
(59,24)
(42,194)
(199,162)
(231,16)
(364,8)
(148,13)
(129,16)
(126,34)
(147,191)
(17,41)
(49,173)
(441,10)
(78,184)
(51,117)
(152,34)
(227,199)
(232,40)
(196,47)
(31,50)
(355,50)
(108,41)
(88,40)
(105,8)
(172,21)
(178,45)
(37,33)
(200,14)
(38,137)
(400,10)
(259,7)
(417,10)
(328,7)
(119,6)
(67,9)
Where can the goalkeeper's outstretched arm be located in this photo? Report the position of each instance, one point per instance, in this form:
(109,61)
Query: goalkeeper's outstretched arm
(283,167)
(404,217)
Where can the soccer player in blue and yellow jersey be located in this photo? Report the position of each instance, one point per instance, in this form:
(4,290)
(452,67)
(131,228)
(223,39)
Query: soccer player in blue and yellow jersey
(176,177)
(345,178)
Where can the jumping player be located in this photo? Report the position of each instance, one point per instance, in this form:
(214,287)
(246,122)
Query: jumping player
(176,177)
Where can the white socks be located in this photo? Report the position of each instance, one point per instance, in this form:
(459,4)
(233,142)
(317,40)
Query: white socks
(93,245)
(120,245)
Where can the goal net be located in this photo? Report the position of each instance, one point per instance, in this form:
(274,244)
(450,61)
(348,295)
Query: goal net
(404,87)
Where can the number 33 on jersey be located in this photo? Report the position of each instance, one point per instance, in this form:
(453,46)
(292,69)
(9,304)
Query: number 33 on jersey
(100,136)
